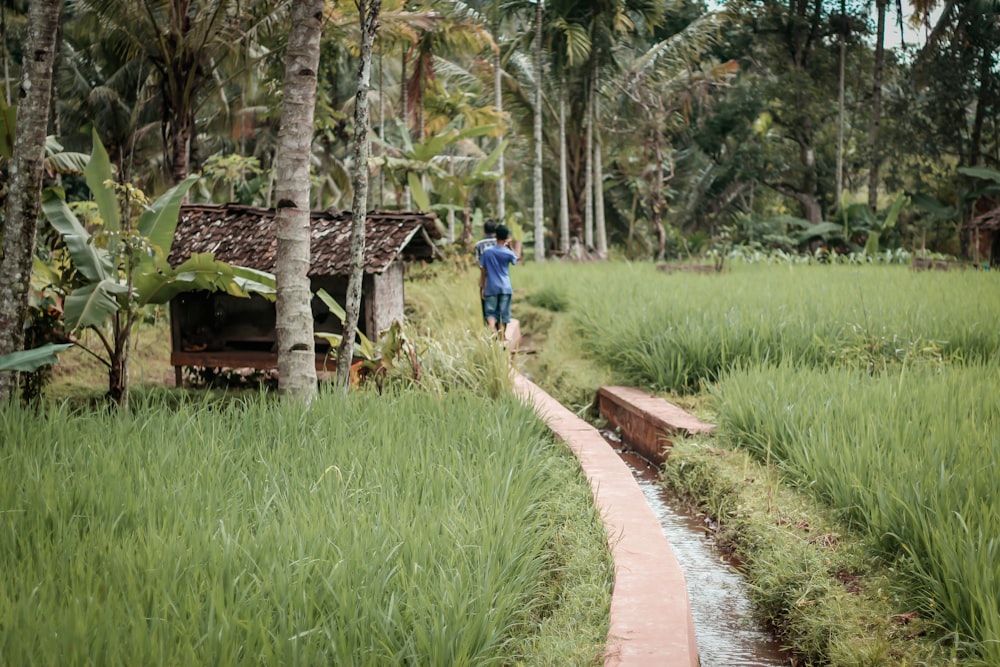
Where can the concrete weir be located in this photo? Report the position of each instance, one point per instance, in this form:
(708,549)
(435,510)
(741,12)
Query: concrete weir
(646,420)
(651,621)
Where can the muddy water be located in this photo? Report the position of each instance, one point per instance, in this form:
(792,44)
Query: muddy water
(724,627)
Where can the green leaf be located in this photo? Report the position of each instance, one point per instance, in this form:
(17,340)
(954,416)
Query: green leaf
(332,304)
(984,173)
(68,162)
(931,205)
(201,271)
(893,213)
(366,348)
(420,197)
(28,361)
(89,260)
(159,222)
(92,304)
(492,158)
(98,173)
(331,338)
(871,245)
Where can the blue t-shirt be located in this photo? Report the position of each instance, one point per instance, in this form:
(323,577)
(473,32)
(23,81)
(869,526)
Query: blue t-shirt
(497,260)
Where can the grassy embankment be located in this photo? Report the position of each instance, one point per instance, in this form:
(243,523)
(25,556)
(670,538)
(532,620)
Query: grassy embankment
(854,469)
(439,525)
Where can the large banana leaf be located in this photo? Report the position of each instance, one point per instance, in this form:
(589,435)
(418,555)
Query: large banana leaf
(28,361)
(256,282)
(159,222)
(420,197)
(201,272)
(91,261)
(98,174)
(365,349)
(92,304)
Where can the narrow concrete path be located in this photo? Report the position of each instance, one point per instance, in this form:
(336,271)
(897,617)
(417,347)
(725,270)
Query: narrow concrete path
(651,621)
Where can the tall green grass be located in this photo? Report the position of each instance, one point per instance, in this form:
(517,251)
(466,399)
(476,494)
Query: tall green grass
(874,387)
(677,331)
(910,456)
(415,529)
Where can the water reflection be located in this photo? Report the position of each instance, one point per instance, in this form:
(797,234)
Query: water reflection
(726,632)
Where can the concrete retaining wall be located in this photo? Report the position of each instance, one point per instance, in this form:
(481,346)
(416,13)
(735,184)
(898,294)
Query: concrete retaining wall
(651,621)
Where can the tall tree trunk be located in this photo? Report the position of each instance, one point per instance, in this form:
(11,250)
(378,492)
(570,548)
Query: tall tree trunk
(368,17)
(25,173)
(498,102)
(840,110)
(982,102)
(588,183)
(6,53)
(657,204)
(873,138)
(563,172)
(294,325)
(600,226)
(539,208)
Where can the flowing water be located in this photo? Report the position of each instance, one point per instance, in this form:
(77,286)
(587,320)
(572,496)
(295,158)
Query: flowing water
(726,632)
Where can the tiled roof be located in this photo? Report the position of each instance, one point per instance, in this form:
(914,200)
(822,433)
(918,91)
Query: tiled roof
(988,220)
(246,236)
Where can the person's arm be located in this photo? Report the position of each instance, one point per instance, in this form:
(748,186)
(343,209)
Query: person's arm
(482,282)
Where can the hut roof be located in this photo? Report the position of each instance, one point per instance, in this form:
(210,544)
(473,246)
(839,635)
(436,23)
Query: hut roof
(246,236)
(988,220)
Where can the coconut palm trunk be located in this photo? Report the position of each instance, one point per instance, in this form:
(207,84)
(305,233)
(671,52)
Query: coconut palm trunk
(588,183)
(873,134)
(600,224)
(294,325)
(563,173)
(498,101)
(539,207)
(26,178)
(368,16)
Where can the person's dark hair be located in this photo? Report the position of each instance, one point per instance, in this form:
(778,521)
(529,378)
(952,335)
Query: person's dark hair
(490,227)
(502,233)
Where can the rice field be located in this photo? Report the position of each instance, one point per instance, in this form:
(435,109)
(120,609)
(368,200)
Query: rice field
(418,528)
(875,388)
(677,331)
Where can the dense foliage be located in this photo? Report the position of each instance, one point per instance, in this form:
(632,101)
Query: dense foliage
(705,116)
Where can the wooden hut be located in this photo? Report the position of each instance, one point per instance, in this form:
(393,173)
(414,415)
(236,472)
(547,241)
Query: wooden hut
(984,238)
(216,330)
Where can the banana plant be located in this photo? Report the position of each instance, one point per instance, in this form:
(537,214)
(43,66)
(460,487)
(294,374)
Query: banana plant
(375,359)
(408,163)
(120,268)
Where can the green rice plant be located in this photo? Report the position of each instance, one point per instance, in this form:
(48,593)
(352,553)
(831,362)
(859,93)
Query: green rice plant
(677,331)
(549,297)
(469,360)
(419,528)
(909,456)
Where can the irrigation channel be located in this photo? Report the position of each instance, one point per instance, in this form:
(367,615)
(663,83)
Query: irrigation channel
(726,632)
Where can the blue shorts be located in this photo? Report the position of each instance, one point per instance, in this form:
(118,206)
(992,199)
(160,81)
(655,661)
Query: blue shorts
(498,307)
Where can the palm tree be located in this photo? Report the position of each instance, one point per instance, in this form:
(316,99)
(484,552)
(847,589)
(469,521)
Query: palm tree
(188,44)
(656,94)
(294,324)
(611,20)
(26,178)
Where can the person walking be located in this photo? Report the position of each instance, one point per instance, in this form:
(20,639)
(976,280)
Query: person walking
(494,283)
(488,241)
